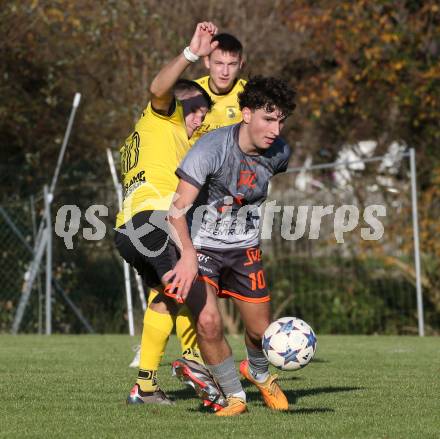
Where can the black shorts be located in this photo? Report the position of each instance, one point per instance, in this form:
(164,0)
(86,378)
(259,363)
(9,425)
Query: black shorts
(152,254)
(234,273)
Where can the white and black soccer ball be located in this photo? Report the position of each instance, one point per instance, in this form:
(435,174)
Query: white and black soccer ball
(289,343)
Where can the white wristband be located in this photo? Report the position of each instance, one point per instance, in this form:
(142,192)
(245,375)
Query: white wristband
(191,57)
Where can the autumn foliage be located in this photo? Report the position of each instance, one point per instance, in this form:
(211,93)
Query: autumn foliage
(362,70)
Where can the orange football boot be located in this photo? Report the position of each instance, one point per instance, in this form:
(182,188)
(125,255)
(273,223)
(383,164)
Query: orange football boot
(272,394)
(236,406)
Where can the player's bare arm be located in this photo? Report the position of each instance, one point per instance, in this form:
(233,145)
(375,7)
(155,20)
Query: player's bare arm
(162,85)
(182,276)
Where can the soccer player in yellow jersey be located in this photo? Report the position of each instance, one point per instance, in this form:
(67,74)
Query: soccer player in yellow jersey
(222,84)
(149,158)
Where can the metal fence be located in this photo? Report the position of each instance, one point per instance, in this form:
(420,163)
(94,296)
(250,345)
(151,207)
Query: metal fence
(16,235)
(87,280)
(324,271)
(324,263)
(89,276)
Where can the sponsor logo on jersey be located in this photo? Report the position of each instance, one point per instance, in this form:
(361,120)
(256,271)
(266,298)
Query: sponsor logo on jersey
(247,179)
(231,112)
(134,183)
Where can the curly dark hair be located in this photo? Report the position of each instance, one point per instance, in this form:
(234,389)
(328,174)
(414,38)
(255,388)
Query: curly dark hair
(268,93)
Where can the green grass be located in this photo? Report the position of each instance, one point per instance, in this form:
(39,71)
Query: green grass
(357,387)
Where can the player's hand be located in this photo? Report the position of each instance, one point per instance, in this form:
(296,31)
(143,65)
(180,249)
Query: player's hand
(201,41)
(181,278)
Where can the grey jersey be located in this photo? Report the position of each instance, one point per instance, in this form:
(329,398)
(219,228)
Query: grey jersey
(233,186)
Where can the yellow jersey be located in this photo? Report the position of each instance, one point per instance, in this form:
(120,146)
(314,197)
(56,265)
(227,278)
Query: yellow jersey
(225,110)
(149,159)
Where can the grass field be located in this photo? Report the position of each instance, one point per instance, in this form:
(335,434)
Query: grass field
(357,387)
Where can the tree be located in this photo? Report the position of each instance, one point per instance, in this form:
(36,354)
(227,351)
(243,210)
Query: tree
(367,70)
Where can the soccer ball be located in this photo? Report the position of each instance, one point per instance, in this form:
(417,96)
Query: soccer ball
(289,343)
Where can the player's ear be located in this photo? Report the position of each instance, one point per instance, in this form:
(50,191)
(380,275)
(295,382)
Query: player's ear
(242,63)
(247,114)
(206,61)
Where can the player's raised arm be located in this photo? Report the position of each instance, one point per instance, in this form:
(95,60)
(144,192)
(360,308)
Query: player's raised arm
(182,276)
(162,85)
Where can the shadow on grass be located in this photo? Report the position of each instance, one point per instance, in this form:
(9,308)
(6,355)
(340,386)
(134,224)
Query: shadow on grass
(185,393)
(254,397)
(292,411)
(253,393)
(318,390)
(201,409)
(310,411)
(293,395)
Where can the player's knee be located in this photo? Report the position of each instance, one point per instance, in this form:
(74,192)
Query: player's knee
(209,326)
(256,334)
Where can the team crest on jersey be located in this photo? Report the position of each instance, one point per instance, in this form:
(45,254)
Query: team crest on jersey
(231,112)
(247,179)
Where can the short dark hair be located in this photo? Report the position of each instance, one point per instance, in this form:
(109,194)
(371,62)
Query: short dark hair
(268,93)
(228,43)
(183,85)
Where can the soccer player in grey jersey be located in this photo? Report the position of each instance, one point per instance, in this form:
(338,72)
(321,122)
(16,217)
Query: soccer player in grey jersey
(226,174)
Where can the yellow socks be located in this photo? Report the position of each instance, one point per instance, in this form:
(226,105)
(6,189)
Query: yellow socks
(152,295)
(157,328)
(156,331)
(186,333)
